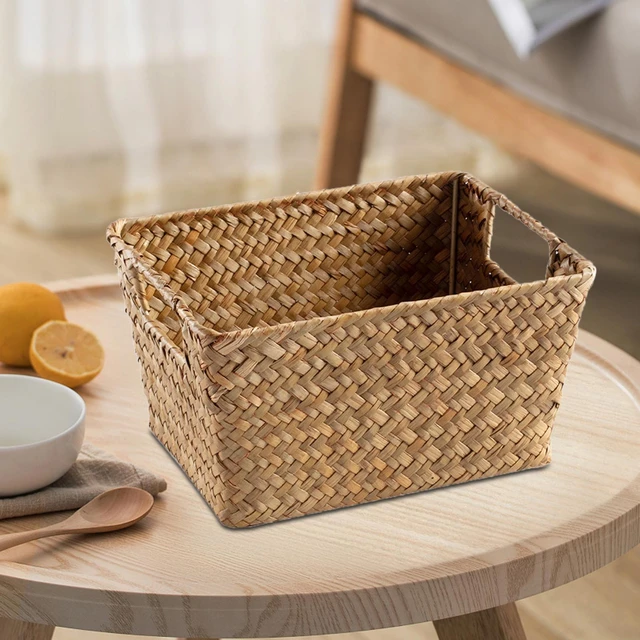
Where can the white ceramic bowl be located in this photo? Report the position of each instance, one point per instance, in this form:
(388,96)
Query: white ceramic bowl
(41,432)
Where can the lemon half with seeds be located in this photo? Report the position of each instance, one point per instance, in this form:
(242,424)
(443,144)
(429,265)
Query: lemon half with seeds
(66,353)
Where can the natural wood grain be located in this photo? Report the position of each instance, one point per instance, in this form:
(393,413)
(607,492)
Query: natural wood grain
(577,154)
(15,630)
(500,623)
(429,556)
(344,128)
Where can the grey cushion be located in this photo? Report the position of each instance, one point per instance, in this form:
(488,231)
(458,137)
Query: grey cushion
(590,72)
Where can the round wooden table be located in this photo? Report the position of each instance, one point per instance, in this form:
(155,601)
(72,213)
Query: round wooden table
(440,556)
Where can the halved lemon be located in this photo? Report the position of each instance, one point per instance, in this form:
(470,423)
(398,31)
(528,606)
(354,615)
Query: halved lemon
(66,353)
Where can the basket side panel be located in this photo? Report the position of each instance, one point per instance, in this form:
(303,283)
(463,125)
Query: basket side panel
(474,269)
(329,252)
(393,402)
(178,416)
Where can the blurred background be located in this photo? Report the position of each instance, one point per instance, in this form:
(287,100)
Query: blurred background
(137,107)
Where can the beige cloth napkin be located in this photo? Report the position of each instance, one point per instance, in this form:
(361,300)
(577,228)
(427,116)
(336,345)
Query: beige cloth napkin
(94,471)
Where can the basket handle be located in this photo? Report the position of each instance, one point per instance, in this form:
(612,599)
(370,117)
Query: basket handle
(563,260)
(136,272)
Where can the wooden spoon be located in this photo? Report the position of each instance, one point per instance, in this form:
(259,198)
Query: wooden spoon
(112,510)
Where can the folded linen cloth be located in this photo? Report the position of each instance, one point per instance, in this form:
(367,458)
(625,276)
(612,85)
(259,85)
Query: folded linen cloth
(94,471)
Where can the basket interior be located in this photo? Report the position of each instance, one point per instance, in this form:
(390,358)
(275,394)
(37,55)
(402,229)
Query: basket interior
(266,263)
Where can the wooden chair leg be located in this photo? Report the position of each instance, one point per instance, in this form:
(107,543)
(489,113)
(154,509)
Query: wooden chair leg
(500,623)
(346,113)
(16,630)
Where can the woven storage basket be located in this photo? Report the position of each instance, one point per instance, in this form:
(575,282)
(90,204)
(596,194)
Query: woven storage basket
(338,347)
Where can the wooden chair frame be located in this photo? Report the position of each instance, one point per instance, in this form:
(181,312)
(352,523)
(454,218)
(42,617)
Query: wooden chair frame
(367,51)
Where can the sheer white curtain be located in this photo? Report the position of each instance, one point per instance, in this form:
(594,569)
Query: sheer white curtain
(132,107)
(123,107)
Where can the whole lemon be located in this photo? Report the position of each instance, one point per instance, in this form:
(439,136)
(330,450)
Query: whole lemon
(24,306)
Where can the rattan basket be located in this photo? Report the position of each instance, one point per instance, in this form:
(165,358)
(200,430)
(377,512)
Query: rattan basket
(333,348)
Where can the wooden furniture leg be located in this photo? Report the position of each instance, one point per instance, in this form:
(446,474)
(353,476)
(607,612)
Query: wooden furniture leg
(500,623)
(16,630)
(346,113)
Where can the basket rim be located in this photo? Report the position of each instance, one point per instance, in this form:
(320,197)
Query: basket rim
(115,228)
(209,336)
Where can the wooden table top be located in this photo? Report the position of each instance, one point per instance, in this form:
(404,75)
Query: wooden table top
(423,557)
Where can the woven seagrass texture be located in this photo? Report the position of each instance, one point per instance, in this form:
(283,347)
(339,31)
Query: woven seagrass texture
(304,354)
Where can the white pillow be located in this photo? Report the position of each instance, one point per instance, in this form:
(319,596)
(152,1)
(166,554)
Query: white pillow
(529,23)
